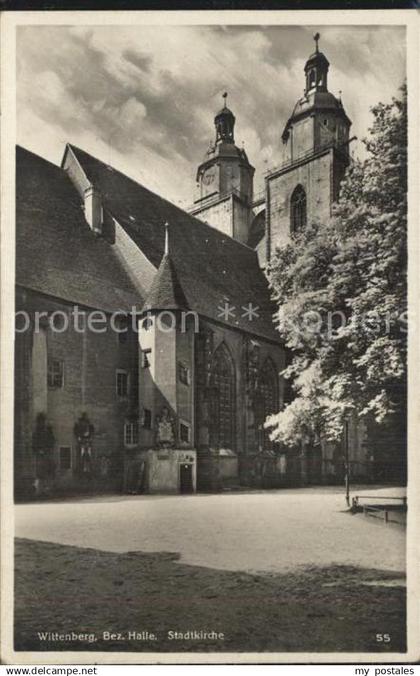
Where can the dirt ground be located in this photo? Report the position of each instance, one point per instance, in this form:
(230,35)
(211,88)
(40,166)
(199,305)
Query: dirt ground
(64,589)
(261,531)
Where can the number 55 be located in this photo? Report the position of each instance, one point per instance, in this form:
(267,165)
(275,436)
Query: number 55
(383,638)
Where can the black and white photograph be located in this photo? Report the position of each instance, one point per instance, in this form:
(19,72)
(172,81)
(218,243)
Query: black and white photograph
(210,343)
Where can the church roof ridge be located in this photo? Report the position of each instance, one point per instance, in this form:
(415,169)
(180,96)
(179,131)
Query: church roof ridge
(203,224)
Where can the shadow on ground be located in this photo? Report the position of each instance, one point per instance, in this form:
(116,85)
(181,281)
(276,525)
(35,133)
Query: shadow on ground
(63,589)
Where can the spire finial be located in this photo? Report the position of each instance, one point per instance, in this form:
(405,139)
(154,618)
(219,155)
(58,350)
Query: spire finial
(166,238)
(316,38)
(225,97)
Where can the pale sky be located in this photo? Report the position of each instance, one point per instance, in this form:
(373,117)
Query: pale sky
(143,98)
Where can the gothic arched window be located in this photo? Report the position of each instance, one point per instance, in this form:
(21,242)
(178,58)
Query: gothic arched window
(222,399)
(266,403)
(298,209)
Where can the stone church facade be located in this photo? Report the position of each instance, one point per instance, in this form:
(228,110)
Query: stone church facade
(146,358)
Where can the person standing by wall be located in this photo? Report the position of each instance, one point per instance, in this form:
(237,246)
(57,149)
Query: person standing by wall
(43,442)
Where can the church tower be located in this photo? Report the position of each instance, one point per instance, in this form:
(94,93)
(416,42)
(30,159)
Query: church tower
(316,155)
(225,181)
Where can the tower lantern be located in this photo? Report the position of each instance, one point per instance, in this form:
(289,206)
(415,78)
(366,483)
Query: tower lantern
(316,69)
(224,122)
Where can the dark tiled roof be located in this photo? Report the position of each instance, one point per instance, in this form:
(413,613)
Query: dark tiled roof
(226,150)
(56,252)
(225,111)
(212,268)
(316,101)
(316,57)
(166,292)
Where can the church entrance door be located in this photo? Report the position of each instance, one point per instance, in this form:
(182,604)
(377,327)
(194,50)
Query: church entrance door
(185,478)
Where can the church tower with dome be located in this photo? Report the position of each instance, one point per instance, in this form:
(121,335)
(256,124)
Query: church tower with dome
(225,181)
(303,186)
(316,141)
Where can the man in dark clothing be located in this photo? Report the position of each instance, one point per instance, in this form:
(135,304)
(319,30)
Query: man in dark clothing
(43,448)
(84,432)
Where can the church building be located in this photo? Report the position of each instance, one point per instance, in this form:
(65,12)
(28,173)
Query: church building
(146,356)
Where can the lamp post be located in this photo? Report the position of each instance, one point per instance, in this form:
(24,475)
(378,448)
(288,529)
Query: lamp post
(346,462)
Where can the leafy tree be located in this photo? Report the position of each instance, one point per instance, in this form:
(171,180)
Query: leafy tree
(341,288)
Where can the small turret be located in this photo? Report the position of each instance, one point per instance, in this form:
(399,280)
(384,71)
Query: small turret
(318,119)
(224,122)
(166,292)
(225,181)
(316,70)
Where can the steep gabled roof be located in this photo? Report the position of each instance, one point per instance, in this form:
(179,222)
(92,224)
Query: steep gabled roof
(211,267)
(56,252)
(166,292)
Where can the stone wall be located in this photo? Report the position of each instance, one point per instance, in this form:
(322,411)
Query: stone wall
(242,215)
(218,215)
(315,175)
(231,215)
(301,137)
(90,362)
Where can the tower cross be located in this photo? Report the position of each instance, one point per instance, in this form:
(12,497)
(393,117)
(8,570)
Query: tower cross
(225,97)
(316,38)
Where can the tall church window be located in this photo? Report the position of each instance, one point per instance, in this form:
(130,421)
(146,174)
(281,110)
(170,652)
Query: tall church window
(222,400)
(266,403)
(298,209)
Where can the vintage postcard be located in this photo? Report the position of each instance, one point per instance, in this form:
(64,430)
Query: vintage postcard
(209,346)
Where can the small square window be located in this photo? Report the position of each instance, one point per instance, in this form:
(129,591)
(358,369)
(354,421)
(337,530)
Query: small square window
(122,384)
(131,433)
(145,358)
(147,419)
(65,458)
(184,433)
(55,373)
(184,374)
